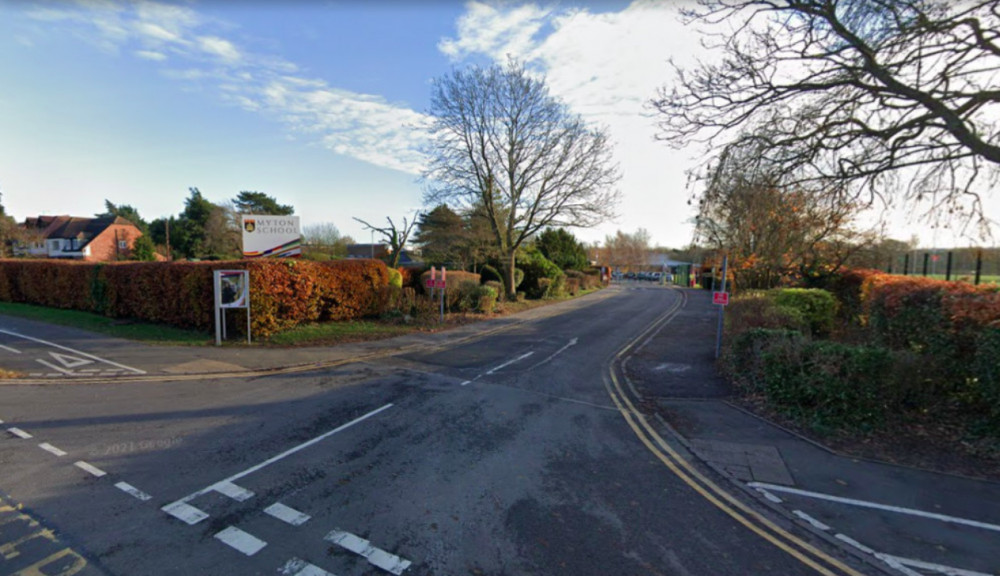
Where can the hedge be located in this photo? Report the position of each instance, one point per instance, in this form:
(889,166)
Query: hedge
(283,293)
(817,307)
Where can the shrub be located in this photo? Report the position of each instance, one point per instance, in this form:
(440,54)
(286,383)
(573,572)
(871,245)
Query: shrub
(817,307)
(395,278)
(986,368)
(487,299)
(828,384)
(490,274)
(743,358)
(283,292)
(454,278)
(537,268)
(752,310)
(466,296)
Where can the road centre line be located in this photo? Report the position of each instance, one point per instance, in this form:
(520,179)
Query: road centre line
(556,353)
(242,541)
(877,506)
(296,567)
(78,352)
(181,510)
(133,491)
(19,433)
(91,469)
(509,362)
(51,449)
(376,557)
(287,514)
(9,349)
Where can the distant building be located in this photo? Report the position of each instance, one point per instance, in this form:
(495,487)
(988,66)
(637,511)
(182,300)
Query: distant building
(377,251)
(75,238)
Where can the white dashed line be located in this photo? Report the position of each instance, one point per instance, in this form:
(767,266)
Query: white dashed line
(91,469)
(466,383)
(509,362)
(812,521)
(296,567)
(9,349)
(242,541)
(769,496)
(287,514)
(876,506)
(376,557)
(185,512)
(233,491)
(133,491)
(947,570)
(51,449)
(19,433)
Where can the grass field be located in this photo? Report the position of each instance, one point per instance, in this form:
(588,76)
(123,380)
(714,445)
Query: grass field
(154,333)
(983,279)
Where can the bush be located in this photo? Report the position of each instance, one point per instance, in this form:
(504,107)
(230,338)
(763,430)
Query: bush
(743,358)
(752,310)
(828,384)
(490,274)
(283,292)
(453,278)
(487,299)
(470,296)
(986,368)
(539,273)
(395,278)
(817,307)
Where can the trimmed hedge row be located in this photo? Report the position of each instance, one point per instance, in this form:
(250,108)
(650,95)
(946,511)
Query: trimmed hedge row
(283,293)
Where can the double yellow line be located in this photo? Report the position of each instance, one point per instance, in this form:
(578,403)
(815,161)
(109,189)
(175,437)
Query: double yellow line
(680,467)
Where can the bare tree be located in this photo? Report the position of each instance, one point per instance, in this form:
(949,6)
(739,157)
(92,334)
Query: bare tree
(395,236)
(870,93)
(500,140)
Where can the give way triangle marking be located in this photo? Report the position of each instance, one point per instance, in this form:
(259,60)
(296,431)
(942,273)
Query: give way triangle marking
(70,361)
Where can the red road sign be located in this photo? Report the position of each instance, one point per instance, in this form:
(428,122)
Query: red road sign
(439,283)
(720,298)
(429,283)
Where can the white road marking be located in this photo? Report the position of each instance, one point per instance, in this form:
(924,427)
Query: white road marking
(467,382)
(133,491)
(70,361)
(91,469)
(556,353)
(769,496)
(876,506)
(947,570)
(380,558)
(287,514)
(52,449)
(183,501)
(296,567)
(241,541)
(19,433)
(509,362)
(185,512)
(233,491)
(84,354)
(53,366)
(812,521)
(9,349)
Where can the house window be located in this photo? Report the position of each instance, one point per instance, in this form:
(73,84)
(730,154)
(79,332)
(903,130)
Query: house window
(122,245)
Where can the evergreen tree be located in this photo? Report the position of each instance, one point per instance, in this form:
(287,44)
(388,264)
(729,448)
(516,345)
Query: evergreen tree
(443,237)
(249,202)
(562,248)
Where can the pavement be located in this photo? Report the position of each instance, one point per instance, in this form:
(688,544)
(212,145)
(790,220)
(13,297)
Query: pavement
(897,519)
(916,521)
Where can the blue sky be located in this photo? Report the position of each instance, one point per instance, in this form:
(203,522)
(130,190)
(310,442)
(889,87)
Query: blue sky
(320,104)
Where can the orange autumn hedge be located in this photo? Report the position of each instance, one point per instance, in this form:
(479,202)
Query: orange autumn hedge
(283,293)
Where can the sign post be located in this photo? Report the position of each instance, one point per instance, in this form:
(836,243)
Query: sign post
(232,290)
(722,299)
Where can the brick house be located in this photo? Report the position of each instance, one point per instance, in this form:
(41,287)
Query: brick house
(88,239)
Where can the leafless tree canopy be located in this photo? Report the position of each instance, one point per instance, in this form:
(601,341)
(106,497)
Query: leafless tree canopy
(502,142)
(866,92)
(395,236)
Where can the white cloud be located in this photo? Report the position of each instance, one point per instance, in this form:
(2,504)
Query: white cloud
(362,126)
(495,31)
(218,47)
(151,55)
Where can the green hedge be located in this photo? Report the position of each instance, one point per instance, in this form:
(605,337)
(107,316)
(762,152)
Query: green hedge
(817,307)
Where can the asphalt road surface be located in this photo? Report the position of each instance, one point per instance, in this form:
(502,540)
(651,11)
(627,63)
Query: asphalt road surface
(521,452)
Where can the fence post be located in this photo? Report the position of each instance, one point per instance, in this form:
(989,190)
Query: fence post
(927,259)
(947,268)
(979,265)
(906,264)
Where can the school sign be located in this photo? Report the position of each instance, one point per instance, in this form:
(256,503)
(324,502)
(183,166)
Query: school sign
(271,236)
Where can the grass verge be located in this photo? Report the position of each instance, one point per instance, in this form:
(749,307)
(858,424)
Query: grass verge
(142,332)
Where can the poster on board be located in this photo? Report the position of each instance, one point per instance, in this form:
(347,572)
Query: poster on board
(271,236)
